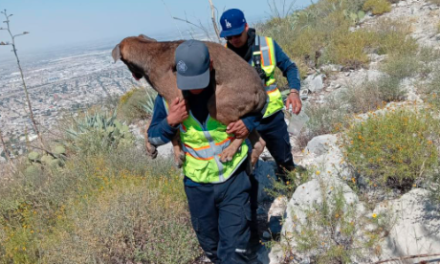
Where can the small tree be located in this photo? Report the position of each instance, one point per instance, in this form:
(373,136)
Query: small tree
(14,49)
(202,26)
(5,149)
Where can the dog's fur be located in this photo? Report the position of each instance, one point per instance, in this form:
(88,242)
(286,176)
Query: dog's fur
(239,90)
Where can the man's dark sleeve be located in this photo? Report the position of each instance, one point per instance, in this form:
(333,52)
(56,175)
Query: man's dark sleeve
(288,67)
(252,120)
(160,132)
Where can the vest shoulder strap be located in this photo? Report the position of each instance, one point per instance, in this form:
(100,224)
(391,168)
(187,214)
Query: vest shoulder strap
(256,59)
(266,46)
(256,52)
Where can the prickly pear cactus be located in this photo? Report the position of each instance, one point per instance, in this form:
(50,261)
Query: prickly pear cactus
(54,160)
(354,17)
(33,170)
(34,156)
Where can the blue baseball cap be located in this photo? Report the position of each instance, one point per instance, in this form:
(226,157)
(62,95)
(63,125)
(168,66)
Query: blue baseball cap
(233,23)
(192,65)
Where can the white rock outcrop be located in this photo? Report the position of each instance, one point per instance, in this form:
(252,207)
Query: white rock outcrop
(417,226)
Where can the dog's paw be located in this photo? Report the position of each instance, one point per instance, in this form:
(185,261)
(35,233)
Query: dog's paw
(227,155)
(179,160)
(152,153)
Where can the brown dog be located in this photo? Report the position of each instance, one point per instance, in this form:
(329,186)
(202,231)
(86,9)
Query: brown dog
(238,90)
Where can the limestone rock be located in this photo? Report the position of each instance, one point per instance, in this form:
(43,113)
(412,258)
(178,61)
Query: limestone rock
(315,83)
(321,144)
(417,227)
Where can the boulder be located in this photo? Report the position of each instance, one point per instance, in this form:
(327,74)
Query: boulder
(315,83)
(324,154)
(305,196)
(417,225)
(321,144)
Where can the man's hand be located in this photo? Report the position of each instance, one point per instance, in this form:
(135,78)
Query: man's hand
(238,128)
(177,112)
(294,101)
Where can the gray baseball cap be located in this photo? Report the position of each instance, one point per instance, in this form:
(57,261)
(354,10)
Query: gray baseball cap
(192,65)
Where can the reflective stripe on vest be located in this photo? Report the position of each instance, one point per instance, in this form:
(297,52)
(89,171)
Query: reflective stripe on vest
(268,64)
(203,145)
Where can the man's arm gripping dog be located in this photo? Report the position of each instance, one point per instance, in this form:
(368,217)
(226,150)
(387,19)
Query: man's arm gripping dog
(238,90)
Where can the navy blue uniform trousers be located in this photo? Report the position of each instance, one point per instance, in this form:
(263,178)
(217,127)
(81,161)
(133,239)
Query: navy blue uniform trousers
(273,130)
(221,217)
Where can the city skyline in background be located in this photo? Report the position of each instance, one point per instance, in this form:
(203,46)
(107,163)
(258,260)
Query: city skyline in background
(66,58)
(56,25)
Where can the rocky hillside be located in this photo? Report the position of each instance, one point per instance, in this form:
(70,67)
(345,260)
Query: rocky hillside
(371,193)
(368,136)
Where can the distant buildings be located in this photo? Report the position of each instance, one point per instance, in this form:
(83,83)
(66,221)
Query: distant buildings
(69,83)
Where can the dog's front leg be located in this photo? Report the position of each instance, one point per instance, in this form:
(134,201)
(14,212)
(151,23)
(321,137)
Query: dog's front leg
(179,155)
(257,143)
(229,152)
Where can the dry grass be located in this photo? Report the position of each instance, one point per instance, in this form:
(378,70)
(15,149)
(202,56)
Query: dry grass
(314,35)
(114,208)
(136,104)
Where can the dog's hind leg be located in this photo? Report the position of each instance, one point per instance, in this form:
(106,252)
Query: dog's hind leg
(258,145)
(150,149)
(179,155)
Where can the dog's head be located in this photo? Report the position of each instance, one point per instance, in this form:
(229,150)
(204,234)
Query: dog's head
(126,53)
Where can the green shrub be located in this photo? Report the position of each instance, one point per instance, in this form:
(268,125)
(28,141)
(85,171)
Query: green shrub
(136,104)
(377,7)
(389,89)
(326,118)
(404,59)
(293,179)
(348,48)
(113,208)
(428,54)
(305,34)
(431,90)
(363,98)
(392,37)
(401,66)
(395,148)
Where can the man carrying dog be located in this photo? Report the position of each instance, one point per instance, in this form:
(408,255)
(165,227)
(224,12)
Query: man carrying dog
(218,193)
(264,54)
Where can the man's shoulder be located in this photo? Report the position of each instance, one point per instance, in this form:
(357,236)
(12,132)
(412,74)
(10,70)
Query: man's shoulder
(159,102)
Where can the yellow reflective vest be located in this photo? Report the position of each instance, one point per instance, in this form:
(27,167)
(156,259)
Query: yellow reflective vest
(203,145)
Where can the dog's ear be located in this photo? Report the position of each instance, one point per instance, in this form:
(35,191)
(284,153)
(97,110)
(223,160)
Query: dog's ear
(146,38)
(116,53)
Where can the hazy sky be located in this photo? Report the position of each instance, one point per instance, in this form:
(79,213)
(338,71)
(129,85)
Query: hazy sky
(55,23)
